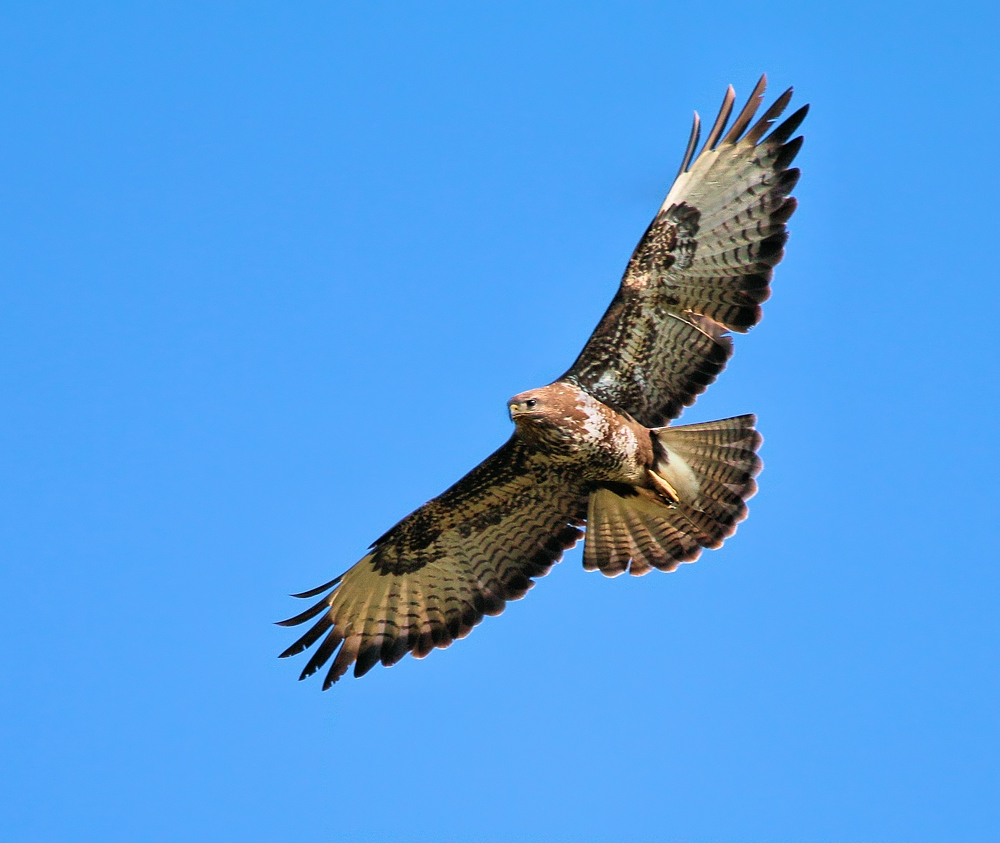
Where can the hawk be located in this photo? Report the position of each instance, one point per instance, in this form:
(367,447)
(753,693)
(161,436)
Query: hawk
(595,449)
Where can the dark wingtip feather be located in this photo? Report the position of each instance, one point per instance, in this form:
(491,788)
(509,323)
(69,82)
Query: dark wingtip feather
(368,657)
(516,585)
(785,210)
(787,129)
(692,144)
(346,656)
(319,589)
(394,649)
(322,654)
(771,249)
(310,638)
(746,115)
(788,180)
(720,122)
(768,117)
(311,612)
(495,604)
(788,153)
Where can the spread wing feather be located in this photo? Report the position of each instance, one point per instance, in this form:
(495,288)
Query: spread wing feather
(702,268)
(460,556)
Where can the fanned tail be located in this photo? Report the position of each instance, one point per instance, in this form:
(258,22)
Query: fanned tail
(702,478)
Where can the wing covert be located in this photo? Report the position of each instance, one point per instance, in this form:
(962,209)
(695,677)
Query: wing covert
(701,269)
(460,556)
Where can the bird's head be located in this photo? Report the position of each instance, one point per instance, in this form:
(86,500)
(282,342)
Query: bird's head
(542,413)
(525,406)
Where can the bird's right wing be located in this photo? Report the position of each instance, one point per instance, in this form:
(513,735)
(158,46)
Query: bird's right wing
(460,556)
(702,268)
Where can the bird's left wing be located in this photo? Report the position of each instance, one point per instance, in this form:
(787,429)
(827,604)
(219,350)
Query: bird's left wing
(460,556)
(702,268)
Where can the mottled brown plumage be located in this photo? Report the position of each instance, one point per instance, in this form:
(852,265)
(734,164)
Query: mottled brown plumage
(589,449)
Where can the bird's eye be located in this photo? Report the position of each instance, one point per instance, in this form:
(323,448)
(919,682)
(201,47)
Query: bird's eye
(530,403)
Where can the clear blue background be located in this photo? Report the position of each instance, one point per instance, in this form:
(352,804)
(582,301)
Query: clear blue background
(270,272)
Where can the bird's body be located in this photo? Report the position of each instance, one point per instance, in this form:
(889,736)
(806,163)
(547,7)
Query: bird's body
(590,449)
(573,428)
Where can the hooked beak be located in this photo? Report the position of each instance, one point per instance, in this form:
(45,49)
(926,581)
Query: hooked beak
(517,409)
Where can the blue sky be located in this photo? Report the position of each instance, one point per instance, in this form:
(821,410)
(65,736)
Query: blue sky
(270,273)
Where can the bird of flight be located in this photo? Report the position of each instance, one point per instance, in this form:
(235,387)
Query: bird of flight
(594,448)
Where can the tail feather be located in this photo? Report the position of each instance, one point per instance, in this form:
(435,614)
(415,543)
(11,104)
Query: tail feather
(635,527)
(704,477)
